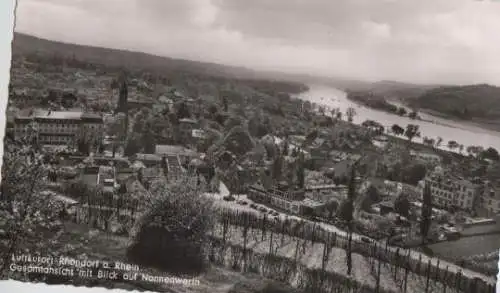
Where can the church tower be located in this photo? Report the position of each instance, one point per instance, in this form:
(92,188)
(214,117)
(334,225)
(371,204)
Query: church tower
(122,106)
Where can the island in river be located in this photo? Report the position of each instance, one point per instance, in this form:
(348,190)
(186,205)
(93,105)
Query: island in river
(477,105)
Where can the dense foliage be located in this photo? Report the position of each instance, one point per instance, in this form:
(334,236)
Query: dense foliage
(171,234)
(466,102)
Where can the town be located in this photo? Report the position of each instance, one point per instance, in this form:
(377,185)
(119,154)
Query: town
(259,152)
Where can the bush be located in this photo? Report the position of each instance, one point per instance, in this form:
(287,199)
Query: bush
(172,232)
(228,198)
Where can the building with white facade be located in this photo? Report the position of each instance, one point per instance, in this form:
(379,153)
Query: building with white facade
(59,127)
(452,191)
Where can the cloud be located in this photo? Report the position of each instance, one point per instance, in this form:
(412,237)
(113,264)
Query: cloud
(417,41)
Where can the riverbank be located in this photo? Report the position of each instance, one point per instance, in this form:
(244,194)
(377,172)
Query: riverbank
(492,125)
(430,126)
(485,124)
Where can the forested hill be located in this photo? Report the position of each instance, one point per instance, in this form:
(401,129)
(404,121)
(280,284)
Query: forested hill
(28,46)
(480,101)
(25,45)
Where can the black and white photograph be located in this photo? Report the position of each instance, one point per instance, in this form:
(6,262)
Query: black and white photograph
(253,146)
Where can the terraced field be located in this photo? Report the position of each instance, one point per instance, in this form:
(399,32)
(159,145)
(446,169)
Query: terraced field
(310,255)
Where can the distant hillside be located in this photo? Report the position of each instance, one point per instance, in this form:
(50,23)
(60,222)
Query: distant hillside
(465,102)
(392,90)
(25,44)
(400,91)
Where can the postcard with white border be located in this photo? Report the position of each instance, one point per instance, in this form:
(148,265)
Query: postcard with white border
(233,146)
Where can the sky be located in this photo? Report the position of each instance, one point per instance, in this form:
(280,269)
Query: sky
(424,41)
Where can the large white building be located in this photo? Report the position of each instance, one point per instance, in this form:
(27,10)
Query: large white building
(59,127)
(451,191)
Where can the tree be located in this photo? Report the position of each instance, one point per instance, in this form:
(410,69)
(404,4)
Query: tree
(301,174)
(225,104)
(397,130)
(402,205)
(429,141)
(133,146)
(27,215)
(475,150)
(413,115)
(83,145)
(285,147)
(183,111)
(411,131)
(426,216)
(439,140)
(164,165)
(372,196)
(348,215)
(232,121)
(177,218)
(413,173)
(149,141)
(350,113)
(310,137)
(491,154)
(277,168)
(452,144)
(401,111)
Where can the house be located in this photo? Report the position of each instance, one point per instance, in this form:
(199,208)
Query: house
(106,178)
(426,157)
(310,207)
(186,127)
(326,192)
(149,160)
(181,152)
(449,190)
(139,104)
(380,141)
(275,198)
(490,199)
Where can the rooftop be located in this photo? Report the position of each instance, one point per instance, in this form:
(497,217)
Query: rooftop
(151,172)
(60,115)
(311,203)
(198,133)
(173,150)
(325,186)
(188,120)
(148,157)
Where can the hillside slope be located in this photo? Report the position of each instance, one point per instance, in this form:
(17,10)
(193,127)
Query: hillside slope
(465,102)
(23,45)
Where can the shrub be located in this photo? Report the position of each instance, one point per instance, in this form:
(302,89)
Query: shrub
(228,198)
(172,232)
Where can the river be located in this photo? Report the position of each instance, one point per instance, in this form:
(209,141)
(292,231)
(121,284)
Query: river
(430,126)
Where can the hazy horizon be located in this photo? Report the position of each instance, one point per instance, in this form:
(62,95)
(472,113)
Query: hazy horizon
(424,42)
